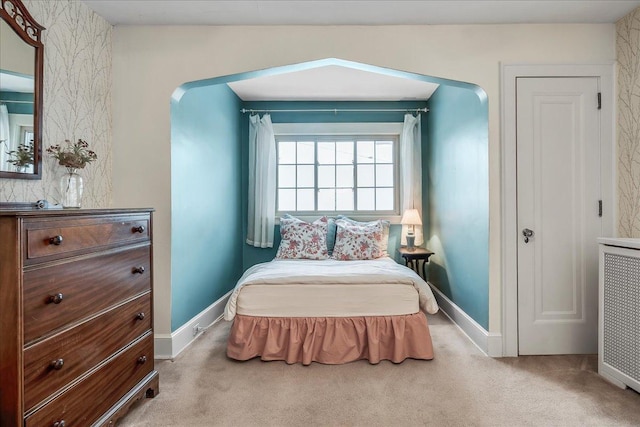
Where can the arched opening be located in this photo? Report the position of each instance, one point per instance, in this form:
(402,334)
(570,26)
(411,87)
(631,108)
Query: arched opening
(209,176)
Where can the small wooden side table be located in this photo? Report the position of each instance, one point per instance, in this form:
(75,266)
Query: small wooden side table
(412,259)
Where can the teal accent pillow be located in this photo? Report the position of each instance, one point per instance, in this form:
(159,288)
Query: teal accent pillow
(331,235)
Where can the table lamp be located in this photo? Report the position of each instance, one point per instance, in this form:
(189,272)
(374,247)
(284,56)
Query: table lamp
(411,217)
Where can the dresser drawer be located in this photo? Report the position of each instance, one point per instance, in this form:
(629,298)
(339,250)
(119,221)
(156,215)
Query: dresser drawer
(60,294)
(93,396)
(56,361)
(61,237)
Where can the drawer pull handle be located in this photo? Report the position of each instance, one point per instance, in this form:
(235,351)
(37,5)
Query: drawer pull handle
(56,240)
(60,423)
(142,360)
(56,364)
(138,270)
(56,299)
(140,316)
(139,229)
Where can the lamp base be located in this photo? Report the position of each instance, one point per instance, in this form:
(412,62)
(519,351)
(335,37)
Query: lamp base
(410,243)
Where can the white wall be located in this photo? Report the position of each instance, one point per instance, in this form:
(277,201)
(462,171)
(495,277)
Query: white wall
(150,62)
(15,54)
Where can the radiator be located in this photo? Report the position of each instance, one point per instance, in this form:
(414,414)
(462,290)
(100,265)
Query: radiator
(619,320)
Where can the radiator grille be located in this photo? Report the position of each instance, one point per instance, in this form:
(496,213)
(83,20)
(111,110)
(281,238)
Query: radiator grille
(622,314)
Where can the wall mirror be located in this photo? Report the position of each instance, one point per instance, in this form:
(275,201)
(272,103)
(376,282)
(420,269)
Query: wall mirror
(21,63)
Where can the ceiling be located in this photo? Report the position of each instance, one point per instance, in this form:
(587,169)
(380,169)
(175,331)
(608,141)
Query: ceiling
(336,83)
(358,12)
(11,82)
(332,83)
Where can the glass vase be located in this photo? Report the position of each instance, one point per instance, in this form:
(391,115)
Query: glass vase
(71,187)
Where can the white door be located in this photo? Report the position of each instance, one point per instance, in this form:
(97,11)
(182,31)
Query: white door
(558,161)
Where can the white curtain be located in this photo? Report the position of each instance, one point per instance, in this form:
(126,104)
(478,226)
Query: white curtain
(262,182)
(4,137)
(4,123)
(411,172)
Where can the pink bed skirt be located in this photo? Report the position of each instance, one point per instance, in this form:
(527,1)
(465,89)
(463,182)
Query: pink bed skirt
(330,340)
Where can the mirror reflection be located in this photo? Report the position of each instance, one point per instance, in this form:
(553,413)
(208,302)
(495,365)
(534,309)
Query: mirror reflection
(17,67)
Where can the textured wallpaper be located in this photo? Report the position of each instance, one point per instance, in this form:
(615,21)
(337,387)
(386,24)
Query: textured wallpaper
(628,52)
(77,99)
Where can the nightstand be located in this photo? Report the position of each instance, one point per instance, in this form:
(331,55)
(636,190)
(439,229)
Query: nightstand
(412,258)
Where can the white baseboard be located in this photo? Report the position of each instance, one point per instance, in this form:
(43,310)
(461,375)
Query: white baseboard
(168,346)
(162,346)
(489,343)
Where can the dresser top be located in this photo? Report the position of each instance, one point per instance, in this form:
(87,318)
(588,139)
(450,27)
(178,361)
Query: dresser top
(620,242)
(21,211)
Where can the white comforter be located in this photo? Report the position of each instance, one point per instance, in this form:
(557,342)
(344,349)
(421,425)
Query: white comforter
(383,270)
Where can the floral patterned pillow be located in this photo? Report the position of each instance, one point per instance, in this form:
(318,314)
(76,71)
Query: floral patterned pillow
(385,228)
(358,242)
(303,240)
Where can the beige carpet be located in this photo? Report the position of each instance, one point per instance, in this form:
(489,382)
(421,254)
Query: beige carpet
(460,387)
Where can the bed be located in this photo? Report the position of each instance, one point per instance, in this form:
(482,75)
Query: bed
(330,311)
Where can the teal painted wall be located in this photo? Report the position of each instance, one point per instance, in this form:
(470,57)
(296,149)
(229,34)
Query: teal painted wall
(210,185)
(206,229)
(253,255)
(14,107)
(457,183)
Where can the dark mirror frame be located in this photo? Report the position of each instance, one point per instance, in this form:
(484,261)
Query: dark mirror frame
(14,13)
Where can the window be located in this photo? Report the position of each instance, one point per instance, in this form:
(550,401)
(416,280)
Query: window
(26,135)
(355,174)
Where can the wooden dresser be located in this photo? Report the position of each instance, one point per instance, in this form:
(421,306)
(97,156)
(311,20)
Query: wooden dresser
(76,326)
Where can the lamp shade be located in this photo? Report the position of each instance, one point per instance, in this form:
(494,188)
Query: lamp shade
(411,217)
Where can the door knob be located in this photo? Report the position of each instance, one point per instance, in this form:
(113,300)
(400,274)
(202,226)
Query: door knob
(527,233)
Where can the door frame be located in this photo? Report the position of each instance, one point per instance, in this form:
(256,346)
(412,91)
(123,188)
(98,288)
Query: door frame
(508,190)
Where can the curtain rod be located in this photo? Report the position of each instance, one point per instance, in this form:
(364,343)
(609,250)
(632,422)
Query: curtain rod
(15,102)
(341,110)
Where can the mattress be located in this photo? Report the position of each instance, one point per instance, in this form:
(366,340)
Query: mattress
(328,300)
(329,288)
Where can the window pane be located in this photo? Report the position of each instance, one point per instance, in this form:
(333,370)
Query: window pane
(344,153)
(365,151)
(344,176)
(305,200)
(306,153)
(327,200)
(286,152)
(286,200)
(321,175)
(286,176)
(326,176)
(326,153)
(384,152)
(344,200)
(306,176)
(366,199)
(384,175)
(384,199)
(366,176)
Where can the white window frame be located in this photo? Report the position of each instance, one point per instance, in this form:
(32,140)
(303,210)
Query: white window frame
(348,129)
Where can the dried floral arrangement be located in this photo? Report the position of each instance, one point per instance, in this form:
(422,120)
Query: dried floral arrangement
(23,156)
(73,155)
